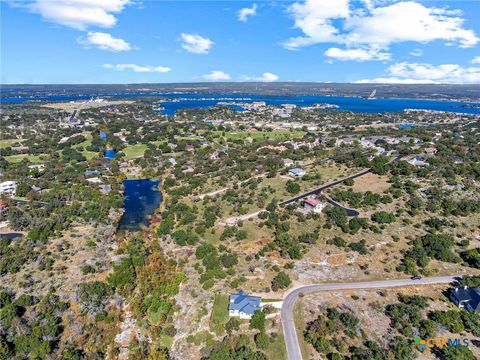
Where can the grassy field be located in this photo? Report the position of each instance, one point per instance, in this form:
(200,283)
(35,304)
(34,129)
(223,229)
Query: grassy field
(134,151)
(276,349)
(20,157)
(270,135)
(8,142)
(219,315)
(87,142)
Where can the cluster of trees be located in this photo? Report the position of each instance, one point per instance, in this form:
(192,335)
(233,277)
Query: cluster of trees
(358,199)
(426,247)
(406,317)
(234,347)
(217,263)
(338,216)
(14,254)
(40,321)
(327,334)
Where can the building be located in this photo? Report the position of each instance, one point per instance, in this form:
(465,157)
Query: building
(465,297)
(296,172)
(288,162)
(313,205)
(92,172)
(243,305)
(418,161)
(457,160)
(8,187)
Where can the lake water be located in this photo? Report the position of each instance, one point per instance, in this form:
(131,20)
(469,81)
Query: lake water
(355,104)
(141,198)
(11,236)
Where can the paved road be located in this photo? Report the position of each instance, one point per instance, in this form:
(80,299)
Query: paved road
(289,331)
(323,187)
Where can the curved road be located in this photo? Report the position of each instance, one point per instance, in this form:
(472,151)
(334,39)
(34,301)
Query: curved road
(288,324)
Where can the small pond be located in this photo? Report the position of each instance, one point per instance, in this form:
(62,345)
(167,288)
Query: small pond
(141,198)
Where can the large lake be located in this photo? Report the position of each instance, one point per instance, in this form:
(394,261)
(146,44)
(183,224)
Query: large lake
(356,104)
(141,199)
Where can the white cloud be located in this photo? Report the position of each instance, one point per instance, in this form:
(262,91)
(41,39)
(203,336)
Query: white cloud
(408,21)
(426,73)
(314,18)
(357,54)
(393,80)
(376,26)
(244,13)
(78,14)
(138,68)
(104,41)
(267,77)
(196,44)
(216,75)
(416,52)
(476,60)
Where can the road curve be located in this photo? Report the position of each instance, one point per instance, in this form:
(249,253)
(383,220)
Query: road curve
(289,331)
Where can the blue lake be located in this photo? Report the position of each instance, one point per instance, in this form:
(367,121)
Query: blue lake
(141,198)
(11,236)
(355,104)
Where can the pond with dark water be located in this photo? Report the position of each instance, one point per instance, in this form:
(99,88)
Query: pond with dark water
(141,199)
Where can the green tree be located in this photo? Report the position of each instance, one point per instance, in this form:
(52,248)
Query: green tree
(293,187)
(258,321)
(281,281)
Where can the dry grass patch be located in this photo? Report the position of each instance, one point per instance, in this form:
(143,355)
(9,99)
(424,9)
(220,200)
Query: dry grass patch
(371,182)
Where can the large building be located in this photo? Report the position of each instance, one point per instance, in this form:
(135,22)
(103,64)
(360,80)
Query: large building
(243,305)
(8,188)
(466,297)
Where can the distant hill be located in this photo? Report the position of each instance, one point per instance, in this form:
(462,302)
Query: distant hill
(423,91)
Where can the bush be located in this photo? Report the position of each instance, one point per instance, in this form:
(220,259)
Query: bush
(280,281)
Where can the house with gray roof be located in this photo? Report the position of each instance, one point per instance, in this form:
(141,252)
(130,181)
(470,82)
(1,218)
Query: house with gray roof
(466,297)
(296,172)
(243,305)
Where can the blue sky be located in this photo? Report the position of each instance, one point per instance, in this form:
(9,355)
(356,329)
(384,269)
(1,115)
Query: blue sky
(122,41)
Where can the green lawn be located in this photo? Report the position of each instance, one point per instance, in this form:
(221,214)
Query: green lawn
(8,142)
(89,154)
(87,142)
(276,349)
(20,157)
(219,314)
(134,151)
(270,135)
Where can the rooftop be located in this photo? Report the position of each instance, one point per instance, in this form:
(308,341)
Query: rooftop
(244,303)
(312,201)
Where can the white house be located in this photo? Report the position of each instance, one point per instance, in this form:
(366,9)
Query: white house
(418,161)
(8,187)
(296,172)
(313,205)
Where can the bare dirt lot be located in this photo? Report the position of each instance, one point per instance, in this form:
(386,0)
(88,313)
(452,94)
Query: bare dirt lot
(371,182)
